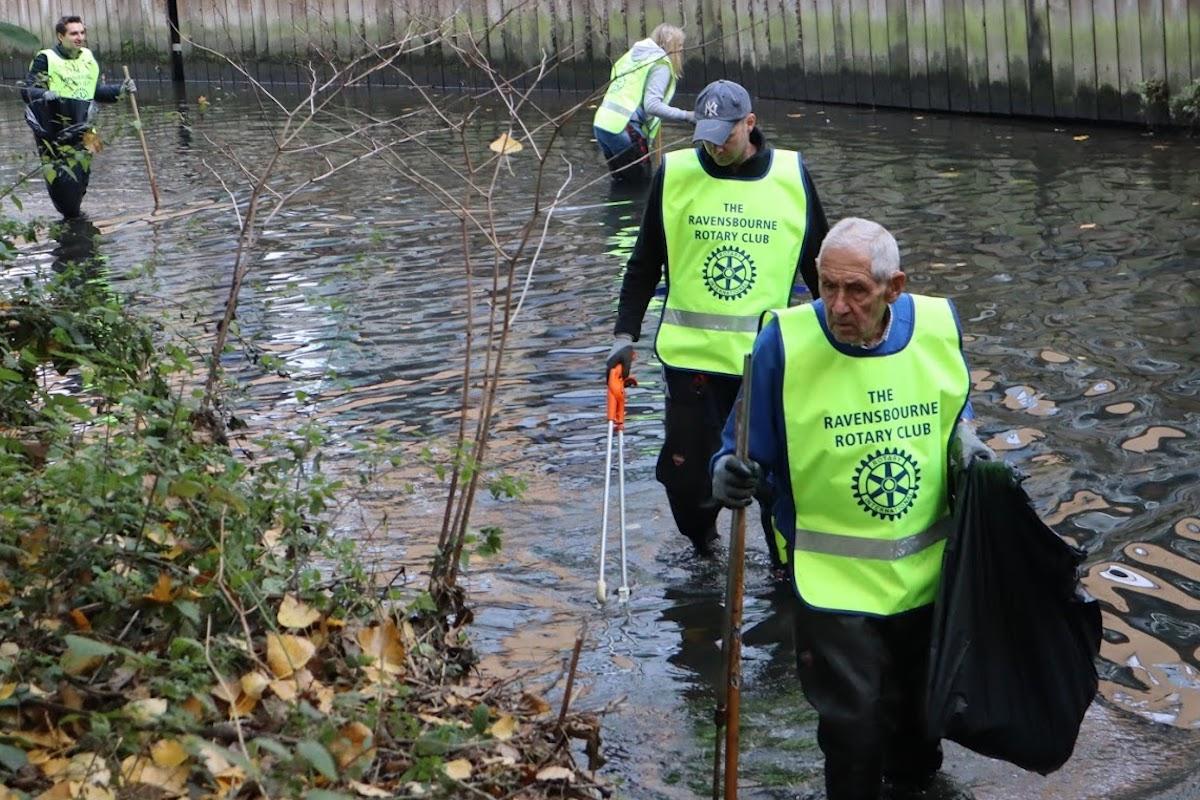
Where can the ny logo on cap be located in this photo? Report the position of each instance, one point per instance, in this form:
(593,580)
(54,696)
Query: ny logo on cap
(710,108)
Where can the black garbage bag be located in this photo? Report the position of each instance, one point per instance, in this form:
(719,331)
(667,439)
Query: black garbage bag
(1012,667)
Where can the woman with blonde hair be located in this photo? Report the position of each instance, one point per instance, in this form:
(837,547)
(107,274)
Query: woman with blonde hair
(638,100)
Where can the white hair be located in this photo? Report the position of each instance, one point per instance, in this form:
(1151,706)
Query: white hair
(855,233)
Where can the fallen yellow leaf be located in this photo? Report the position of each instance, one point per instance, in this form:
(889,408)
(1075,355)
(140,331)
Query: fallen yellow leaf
(534,704)
(168,753)
(162,591)
(73,790)
(355,743)
(286,689)
(81,767)
(33,544)
(1082,138)
(295,614)
(251,685)
(195,706)
(215,762)
(6,592)
(54,739)
(322,695)
(382,642)
(71,697)
(459,769)
(287,653)
(505,144)
(92,142)
(272,540)
(1087,226)
(254,684)
(226,690)
(139,769)
(79,620)
(504,728)
(366,790)
(6,691)
(37,756)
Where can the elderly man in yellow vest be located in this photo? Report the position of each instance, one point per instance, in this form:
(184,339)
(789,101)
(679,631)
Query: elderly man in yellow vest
(60,94)
(733,224)
(856,400)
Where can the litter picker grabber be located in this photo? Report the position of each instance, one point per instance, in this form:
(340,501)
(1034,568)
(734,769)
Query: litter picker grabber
(616,421)
(729,698)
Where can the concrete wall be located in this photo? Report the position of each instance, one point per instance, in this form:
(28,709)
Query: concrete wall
(1046,58)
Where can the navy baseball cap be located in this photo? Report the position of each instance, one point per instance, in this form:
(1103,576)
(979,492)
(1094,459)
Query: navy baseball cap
(720,106)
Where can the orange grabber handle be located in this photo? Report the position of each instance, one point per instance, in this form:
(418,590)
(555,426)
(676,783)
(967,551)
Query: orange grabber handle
(616,395)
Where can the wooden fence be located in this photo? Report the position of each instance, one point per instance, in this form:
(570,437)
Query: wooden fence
(1045,58)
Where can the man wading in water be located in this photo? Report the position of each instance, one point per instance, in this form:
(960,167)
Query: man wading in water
(734,223)
(60,95)
(865,516)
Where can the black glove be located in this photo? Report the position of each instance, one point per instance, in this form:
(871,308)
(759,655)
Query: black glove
(621,353)
(735,481)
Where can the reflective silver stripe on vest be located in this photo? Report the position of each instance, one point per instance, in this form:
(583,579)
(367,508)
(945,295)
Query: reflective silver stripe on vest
(618,108)
(835,544)
(711,322)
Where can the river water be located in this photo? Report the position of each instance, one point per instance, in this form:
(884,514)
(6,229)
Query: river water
(1070,251)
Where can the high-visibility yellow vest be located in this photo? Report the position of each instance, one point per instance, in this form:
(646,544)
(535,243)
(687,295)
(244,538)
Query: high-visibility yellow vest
(732,249)
(867,442)
(73,78)
(627,85)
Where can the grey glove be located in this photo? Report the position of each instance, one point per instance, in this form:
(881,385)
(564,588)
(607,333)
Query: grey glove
(735,481)
(49,96)
(621,353)
(691,117)
(970,448)
(128,86)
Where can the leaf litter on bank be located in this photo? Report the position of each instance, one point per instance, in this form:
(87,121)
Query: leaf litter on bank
(160,640)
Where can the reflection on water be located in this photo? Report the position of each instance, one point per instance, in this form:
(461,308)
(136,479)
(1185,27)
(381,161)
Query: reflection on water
(1073,265)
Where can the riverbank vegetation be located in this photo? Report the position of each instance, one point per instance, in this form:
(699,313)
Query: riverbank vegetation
(177,614)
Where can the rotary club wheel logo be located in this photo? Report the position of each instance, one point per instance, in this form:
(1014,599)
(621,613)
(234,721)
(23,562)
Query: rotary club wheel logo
(886,483)
(729,273)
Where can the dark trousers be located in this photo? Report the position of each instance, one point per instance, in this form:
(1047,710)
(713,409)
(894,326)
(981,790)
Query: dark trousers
(67,170)
(865,676)
(621,153)
(696,409)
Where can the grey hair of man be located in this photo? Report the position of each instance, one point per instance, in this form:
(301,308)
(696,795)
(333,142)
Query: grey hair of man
(863,235)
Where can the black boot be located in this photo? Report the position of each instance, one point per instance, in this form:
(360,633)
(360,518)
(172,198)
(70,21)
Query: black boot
(625,166)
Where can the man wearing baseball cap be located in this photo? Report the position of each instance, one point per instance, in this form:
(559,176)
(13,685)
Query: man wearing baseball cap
(735,224)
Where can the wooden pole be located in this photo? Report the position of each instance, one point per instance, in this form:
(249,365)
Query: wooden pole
(176,43)
(729,703)
(137,121)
